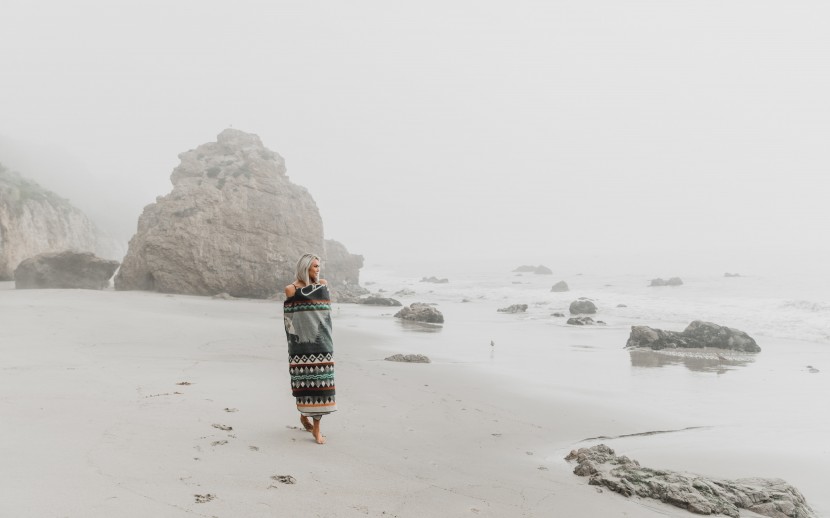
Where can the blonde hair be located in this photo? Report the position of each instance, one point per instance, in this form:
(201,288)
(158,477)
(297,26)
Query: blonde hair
(303,265)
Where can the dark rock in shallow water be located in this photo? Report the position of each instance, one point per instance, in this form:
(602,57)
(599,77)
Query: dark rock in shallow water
(408,358)
(557,314)
(768,497)
(582,306)
(621,306)
(560,287)
(674,281)
(377,300)
(420,312)
(514,308)
(698,334)
(727,274)
(64,270)
(435,280)
(581,321)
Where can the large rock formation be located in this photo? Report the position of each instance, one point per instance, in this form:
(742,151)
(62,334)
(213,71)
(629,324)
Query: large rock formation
(698,334)
(34,220)
(67,270)
(694,493)
(233,223)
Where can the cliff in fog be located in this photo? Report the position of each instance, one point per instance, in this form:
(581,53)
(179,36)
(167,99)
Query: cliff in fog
(34,220)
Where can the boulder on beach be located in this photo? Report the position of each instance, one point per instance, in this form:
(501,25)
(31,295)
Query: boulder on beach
(68,269)
(560,287)
(513,308)
(408,358)
(699,494)
(698,334)
(674,281)
(582,306)
(420,312)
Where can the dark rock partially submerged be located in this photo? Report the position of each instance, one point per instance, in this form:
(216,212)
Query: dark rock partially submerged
(697,494)
(581,321)
(420,312)
(377,300)
(698,334)
(541,269)
(513,308)
(64,270)
(435,280)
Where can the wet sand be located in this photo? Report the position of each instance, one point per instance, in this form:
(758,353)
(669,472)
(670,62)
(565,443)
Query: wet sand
(143,404)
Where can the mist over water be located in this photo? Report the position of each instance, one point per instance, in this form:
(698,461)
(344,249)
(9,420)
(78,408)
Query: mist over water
(663,139)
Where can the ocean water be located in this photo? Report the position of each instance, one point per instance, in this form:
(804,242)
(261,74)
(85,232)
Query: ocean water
(731,416)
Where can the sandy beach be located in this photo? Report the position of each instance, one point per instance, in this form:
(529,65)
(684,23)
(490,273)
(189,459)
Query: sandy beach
(144,404)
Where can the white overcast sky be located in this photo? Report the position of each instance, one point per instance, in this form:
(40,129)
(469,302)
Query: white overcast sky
(628,132)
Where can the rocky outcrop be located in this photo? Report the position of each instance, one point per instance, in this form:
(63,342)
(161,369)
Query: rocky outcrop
(694,493)
(34,220)
(342,271)
(698,334)
(64,270)
(674,281)
(559,287)
(582,306)
(420,312)
(408,358)
(513,308)
(233,223)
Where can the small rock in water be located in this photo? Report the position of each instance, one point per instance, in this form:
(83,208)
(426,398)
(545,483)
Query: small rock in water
(812,369)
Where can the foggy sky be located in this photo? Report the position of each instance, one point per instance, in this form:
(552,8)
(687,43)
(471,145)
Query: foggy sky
(649,134)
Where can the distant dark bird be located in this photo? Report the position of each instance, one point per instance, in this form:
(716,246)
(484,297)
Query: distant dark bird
(492,343)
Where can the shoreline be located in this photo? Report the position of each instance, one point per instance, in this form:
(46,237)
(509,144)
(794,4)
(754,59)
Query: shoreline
(96,414)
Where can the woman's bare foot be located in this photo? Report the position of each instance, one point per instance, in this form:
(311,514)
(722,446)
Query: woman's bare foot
(306,424)
(318,435)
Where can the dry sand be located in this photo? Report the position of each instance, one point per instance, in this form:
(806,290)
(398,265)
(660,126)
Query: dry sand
(136,404)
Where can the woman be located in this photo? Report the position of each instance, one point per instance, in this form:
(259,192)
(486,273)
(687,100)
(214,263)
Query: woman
(307,311)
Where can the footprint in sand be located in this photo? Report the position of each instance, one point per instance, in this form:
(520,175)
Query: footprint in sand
(203,499)
(219,443)
(223,427)
(284,479)
(231,410)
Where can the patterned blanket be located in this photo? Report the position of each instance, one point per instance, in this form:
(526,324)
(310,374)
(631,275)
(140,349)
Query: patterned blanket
(310,349)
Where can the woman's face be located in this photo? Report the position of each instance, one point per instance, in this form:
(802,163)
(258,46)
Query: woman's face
(314,270)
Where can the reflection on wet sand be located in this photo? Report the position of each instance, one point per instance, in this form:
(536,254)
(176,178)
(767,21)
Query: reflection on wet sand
(421,327)
(701,360)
